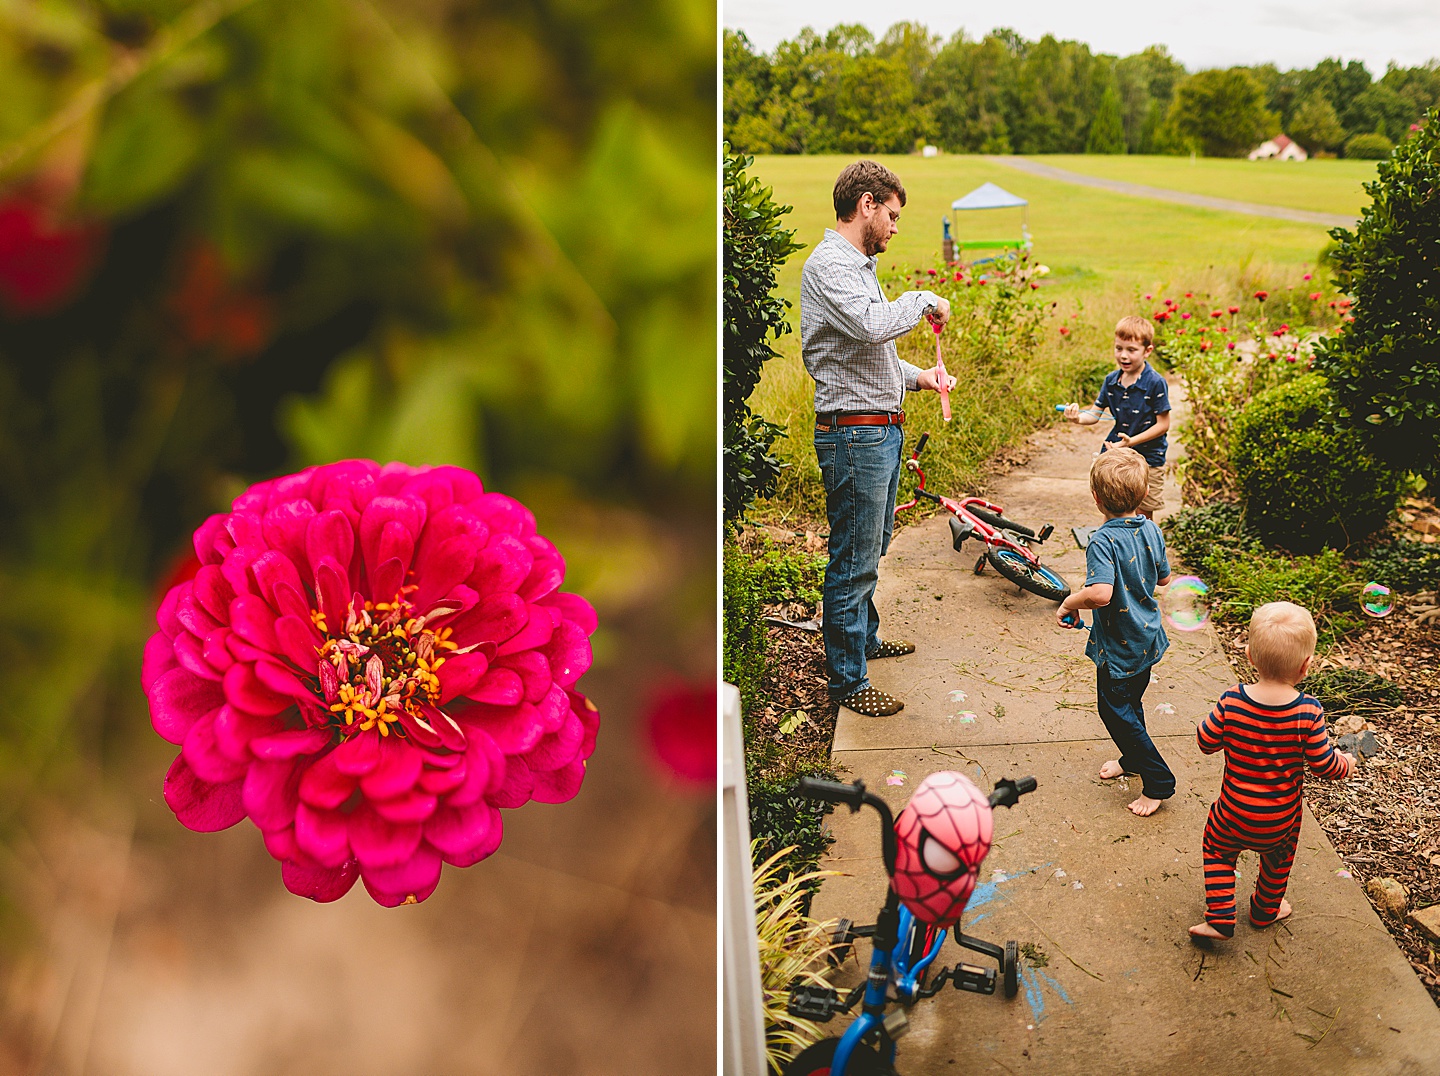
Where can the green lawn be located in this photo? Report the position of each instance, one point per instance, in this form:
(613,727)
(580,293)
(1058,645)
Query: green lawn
(1319,186)
(1089,238)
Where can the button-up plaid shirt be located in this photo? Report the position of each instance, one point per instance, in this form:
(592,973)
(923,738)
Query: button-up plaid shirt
(848,330)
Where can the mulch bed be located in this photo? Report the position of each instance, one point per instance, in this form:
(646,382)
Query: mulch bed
(795,684)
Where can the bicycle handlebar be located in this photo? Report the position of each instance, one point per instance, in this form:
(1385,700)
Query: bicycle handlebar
(920,445)
(1008,791)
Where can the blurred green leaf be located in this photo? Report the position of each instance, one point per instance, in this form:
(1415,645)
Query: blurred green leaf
(146,145)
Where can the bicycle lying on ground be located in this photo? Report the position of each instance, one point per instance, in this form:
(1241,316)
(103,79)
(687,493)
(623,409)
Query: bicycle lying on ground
(903,946)
(1007,543)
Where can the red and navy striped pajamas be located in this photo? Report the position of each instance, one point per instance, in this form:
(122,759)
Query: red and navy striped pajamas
(1259,807)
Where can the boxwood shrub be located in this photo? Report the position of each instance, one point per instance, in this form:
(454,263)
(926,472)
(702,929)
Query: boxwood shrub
(1306,482)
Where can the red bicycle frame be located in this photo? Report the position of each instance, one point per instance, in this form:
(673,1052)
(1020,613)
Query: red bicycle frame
(993,537)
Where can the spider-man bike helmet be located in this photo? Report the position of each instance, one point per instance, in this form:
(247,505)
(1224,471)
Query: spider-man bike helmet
(943,836)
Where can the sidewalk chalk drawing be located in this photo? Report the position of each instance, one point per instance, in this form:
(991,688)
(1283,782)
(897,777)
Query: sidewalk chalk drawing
(1032,979)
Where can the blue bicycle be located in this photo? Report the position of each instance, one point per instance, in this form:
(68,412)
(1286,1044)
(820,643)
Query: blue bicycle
(903,951)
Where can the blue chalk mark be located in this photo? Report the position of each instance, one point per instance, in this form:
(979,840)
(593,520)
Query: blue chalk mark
(986,892)
(1031,980)
(1058,988)
(1033,997)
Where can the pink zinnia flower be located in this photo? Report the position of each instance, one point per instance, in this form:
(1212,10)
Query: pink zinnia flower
(1230,346)
(1185,316)
(371,662)
(1306,276)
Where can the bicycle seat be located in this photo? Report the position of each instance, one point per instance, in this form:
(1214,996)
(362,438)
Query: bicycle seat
(960,529)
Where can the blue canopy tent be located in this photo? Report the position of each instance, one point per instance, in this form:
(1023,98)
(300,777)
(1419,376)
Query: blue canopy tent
(989,196)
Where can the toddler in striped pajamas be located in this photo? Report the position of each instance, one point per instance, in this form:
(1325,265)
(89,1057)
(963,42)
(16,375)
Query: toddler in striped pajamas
(1270,732)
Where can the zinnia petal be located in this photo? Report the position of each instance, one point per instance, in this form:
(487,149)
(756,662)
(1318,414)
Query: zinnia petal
(200,805)
(177,701)
(320,884)
(408,883)
(465,835)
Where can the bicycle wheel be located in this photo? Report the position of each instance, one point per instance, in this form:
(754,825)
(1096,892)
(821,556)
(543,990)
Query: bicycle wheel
(1027,575)
(815,1060)
(1012,969)
(997,520)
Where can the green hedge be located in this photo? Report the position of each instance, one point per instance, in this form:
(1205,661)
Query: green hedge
(1306,482)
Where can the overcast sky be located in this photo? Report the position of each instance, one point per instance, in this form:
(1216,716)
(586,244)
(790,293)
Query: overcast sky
(1221,33)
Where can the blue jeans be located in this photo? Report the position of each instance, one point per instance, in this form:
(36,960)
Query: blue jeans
(860,466)
(1122,709)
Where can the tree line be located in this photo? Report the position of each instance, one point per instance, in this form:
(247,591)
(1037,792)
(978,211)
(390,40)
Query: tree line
(846,92)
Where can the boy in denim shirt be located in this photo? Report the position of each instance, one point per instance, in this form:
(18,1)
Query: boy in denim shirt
(1124,563)
(1139,401)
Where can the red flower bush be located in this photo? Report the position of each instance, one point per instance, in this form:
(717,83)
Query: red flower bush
(370,663)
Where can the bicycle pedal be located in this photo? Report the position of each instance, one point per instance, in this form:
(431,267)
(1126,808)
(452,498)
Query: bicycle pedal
(1045,532)
(976,979)
(980,565)
(817,1002)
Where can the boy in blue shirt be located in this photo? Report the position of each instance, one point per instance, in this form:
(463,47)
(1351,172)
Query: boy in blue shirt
(1124,563)
(1139,402)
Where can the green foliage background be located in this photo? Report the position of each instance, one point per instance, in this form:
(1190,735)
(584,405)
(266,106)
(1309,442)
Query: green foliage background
(844,91)
(469,233)
(1385,365)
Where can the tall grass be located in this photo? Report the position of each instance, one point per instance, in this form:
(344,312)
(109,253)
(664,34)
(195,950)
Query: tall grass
(997,403)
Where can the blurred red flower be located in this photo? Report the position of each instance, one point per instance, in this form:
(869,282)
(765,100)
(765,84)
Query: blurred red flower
(1064,330)
(681,728)
(43,262)
(1216,313)
(1262,295)
(211,312)
(1233,309)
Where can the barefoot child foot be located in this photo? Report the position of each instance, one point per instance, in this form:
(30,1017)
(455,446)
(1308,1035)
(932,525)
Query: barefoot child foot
(1111,770)
(1283,913)
(1205,930)
(1144,806)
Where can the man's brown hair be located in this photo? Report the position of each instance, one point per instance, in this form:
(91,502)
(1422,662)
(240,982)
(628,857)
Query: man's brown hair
(1135,328)
(864,177)
(1120,480)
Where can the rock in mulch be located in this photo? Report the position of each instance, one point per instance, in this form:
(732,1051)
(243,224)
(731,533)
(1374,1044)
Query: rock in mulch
(1363,742)
(1389,896)
(1427,920)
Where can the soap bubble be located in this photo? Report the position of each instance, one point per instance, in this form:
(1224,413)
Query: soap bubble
(1187,605)
(1375,600)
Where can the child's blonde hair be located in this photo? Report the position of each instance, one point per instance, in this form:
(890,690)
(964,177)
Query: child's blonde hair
(1120,479)
(1282,636)
(1133,327)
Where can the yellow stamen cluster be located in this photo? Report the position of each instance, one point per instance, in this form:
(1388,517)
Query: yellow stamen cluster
(385,664)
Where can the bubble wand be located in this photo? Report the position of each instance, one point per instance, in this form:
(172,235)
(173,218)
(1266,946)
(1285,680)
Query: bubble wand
(941,376)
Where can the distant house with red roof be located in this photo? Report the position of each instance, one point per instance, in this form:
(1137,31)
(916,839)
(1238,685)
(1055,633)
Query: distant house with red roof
(1278,148)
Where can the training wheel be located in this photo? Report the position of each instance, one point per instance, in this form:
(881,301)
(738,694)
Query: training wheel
(1011,970)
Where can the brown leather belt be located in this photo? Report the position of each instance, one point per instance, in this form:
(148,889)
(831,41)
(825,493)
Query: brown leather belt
(840,418)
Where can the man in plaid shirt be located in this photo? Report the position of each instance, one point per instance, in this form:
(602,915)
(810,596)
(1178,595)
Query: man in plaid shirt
(847,338)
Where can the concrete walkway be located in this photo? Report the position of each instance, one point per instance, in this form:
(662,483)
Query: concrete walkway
(1164,194)
(1104,898)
